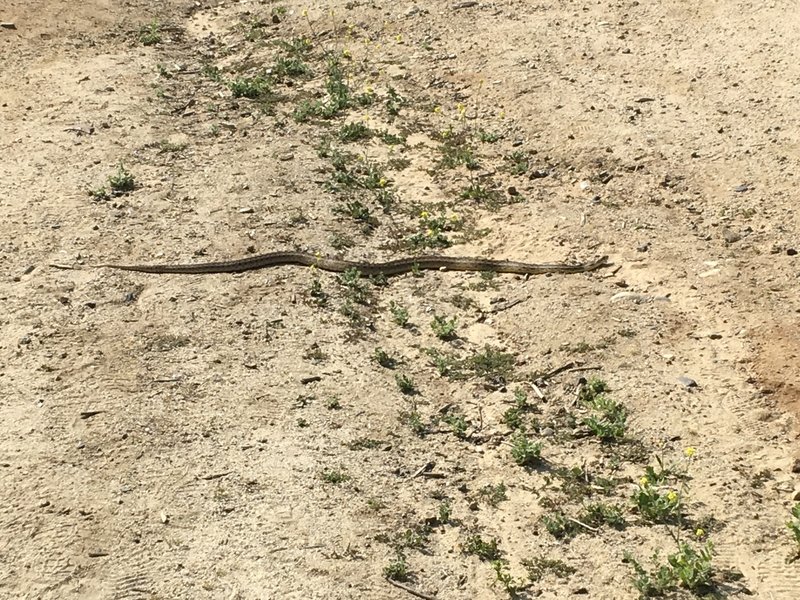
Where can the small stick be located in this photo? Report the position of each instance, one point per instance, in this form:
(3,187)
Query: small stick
(584,525)
(410,590)
(576,369)
(64,267)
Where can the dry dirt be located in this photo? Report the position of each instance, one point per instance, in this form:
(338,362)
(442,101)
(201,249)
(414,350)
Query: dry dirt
(160,436)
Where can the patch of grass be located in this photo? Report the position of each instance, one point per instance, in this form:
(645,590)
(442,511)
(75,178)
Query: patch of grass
(517,163)
(690,568)
(443,328)
(793,525)
(493,494)
(483,549)
(540,566)
(489,197)
(600,513)
(289,67)
(524,450)
(334,476)
(559,526)
(609,419)
(413,420)
(458,424)
(657,505)
(514,416)
(406,384)
(445,513)
(365,443)
(254,88)
(492,363)
(384,360)
(397,569)
(399,314)
(150,34)
(456,151)
(433,229)
(502,575)
(355,131)
(488,137)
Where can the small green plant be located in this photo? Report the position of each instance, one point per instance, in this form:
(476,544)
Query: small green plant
(488,137)
(609,421)
(122,181)
(355,131)
(443,328)
(492,363)
(399,314)
(483,549)
(559,526)
(482,194)
(458,424)
(397,569)
(455,151)
(406,384)
(514,415)
(445,512)
(289,68)
(493,494)
(333,403)
(689,568)
(364,443)
(511,586)
(413,420)
(794,527)
(657,505)
(539,567)
(253,88)
(524,450)
(517,163)
(150,34)
(596,514)
(384,360)
(334,476)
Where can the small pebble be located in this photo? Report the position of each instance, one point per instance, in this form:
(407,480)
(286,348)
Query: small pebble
(687,382)
(791,251)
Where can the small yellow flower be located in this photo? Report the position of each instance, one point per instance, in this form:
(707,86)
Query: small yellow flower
(430,233)
(346,53)
(399,38)
(502,114)
(644,481)
(700,533)
(305,12)
(455,218)
(437,109)
(672,496)
(368,89)
(689,452)
(382,182)
(424,214)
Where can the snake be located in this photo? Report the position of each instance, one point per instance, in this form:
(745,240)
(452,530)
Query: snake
(387,269)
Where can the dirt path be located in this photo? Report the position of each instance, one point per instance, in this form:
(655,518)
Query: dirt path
(291,434)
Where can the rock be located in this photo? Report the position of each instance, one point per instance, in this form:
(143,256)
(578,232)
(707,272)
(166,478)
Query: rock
(687,382)
(730,237)
(791,252)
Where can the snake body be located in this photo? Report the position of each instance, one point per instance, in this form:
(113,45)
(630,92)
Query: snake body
(392,267)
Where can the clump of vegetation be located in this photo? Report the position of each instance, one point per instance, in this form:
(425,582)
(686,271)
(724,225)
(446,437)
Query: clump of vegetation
(120,183)
(689,568)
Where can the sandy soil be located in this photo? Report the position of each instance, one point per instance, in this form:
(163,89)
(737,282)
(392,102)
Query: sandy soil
(234,436)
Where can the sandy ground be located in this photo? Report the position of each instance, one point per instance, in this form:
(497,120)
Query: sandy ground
(234,436)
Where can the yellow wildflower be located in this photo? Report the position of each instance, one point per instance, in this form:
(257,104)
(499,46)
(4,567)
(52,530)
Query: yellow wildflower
(437,109)
(700,532)
(382,182)
(644,481)
(672,496)
(424,214)
(689,452)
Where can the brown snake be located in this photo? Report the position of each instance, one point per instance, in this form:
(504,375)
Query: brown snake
(392,267)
